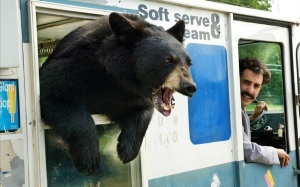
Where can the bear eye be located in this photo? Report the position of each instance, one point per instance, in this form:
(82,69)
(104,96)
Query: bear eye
(168,60)
(171,59)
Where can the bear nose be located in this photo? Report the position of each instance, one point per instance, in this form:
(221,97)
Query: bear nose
(189,88)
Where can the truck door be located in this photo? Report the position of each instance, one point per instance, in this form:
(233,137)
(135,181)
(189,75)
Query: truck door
(49,162)
(269,41)
(296,48)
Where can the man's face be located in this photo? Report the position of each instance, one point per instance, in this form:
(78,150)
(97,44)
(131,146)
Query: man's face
(251,84)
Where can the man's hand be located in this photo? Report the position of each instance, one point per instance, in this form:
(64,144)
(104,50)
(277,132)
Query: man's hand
(284,156)
(258,109)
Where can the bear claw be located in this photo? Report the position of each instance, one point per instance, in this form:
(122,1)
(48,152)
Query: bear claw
(86,157)
(127,151)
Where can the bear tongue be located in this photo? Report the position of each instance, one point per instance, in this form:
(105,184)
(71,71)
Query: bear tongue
(167,95)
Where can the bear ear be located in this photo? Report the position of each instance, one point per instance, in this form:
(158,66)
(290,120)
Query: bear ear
(177,30)
(123,28)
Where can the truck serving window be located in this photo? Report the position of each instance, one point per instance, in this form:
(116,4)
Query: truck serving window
(270,129)
(60,169)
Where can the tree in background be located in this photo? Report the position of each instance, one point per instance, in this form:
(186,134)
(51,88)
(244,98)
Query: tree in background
(255,4)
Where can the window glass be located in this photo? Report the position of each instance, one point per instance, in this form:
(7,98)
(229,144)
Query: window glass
(112,172)
(269,130)
(269,53)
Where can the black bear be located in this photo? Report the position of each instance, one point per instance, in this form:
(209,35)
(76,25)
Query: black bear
(120,66)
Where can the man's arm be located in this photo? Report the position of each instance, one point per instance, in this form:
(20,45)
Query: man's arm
(257,153)
(261,105)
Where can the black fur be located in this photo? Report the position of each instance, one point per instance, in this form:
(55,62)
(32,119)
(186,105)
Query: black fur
(115,66)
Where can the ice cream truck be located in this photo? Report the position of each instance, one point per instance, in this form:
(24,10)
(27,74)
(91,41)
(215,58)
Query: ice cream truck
(201,142)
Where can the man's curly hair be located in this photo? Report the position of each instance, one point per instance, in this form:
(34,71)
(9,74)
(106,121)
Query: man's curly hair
(256,66)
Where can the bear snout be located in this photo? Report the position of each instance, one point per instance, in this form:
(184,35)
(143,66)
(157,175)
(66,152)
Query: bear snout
(188,89)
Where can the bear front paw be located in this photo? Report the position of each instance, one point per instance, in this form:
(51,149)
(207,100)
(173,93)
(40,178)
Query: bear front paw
(127,151)
(86,159)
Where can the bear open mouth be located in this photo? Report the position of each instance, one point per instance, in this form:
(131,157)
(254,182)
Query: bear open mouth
(163,100)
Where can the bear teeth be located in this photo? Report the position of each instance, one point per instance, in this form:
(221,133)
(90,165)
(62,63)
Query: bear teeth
(166,107)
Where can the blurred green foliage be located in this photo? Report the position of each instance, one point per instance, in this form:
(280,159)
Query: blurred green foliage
(269,53)
(255,4)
